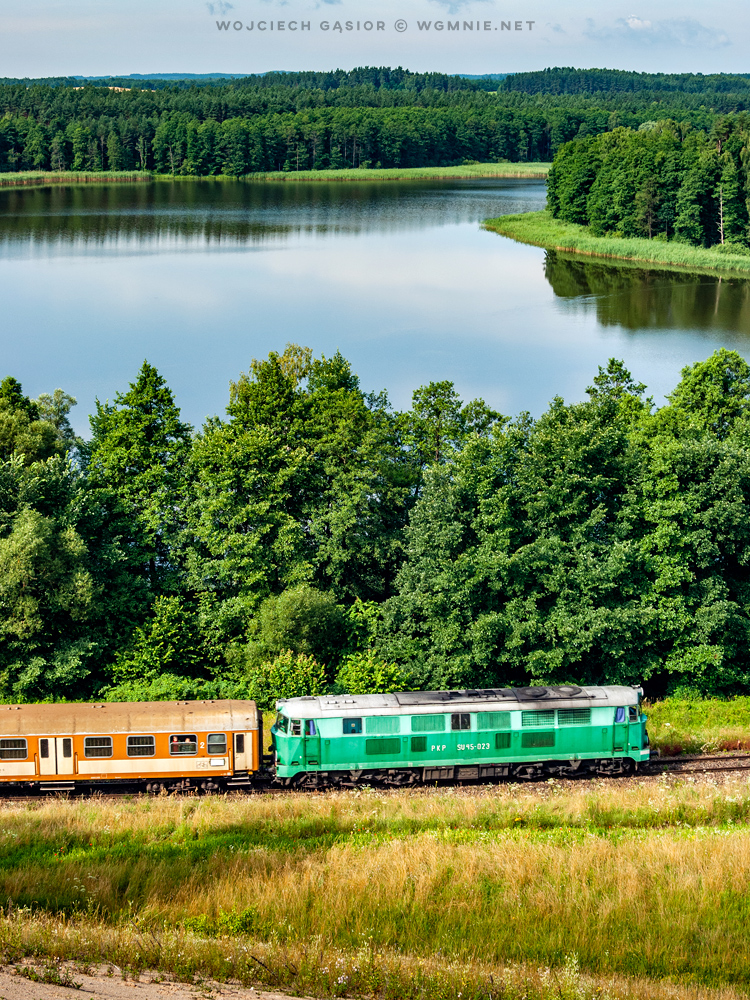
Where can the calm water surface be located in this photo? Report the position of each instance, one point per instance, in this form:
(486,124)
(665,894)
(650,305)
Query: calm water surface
(200,277)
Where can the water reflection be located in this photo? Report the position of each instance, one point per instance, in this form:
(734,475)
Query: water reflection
(638,298)
(215,212)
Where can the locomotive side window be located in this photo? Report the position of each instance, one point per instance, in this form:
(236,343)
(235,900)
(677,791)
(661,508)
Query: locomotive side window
(217,743)
(352,727)
(44,748)
(183,744)
(543,718)
(13,750)
(428,723)
(632,713)
(620,714)
(97,746)
(239,743)
(296,729)
(141,746)
(460,720)
(310,729)
(574,717)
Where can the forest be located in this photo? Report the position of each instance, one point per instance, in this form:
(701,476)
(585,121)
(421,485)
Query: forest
(664,180)
(314,538)
(366,117)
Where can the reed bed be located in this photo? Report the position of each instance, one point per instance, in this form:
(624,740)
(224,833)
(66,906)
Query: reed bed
(638,879)
(540,229)
(30,178)
(469,170)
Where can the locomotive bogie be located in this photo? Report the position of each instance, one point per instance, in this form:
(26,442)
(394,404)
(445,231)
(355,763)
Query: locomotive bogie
(170,745)
(429,737)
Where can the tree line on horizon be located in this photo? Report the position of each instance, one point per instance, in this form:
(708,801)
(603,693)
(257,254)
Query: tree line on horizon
(314,538)
(367,117)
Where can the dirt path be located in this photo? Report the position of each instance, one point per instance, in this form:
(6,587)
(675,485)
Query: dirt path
(99,984)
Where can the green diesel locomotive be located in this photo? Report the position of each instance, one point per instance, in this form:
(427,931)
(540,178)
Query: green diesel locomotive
(416,737)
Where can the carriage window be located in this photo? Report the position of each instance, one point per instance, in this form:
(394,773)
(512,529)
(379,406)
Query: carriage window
(141,746)
(352,727)
(239,743)
(13,750)
(217,743)
(97,746)
(67,747)
(461,721)
(44,748)
(183,744)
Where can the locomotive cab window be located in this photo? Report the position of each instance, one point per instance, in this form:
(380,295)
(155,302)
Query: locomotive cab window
(352,727)
(620,714)
(310,729)
(632,713)
(141,746)
(217,743)
(181,744)
(282,723)
(13,749)
(97,746)
(296,727)
(460,720)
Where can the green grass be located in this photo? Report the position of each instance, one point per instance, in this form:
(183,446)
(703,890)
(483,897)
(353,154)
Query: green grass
(540,229)
(468,170)
(700,725)
(370,888)
(36,177)
(28,178)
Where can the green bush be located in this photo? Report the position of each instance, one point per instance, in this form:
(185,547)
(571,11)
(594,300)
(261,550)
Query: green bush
(366,673)
(288,675)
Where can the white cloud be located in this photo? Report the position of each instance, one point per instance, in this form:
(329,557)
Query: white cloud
(684,32)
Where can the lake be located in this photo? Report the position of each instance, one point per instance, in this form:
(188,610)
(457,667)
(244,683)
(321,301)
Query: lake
(199,277)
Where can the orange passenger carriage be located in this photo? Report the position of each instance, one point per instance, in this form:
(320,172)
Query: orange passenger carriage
(206,745)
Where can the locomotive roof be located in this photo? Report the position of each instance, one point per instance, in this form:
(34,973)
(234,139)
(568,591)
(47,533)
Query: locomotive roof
(486,699)
(127,717)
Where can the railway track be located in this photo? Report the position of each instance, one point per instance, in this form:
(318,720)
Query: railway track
(698,764)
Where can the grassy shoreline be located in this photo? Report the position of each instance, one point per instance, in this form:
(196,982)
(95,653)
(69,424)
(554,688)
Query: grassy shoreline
(540,229)
(32,178)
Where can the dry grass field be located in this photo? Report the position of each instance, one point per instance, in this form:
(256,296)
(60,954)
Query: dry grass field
(575,889)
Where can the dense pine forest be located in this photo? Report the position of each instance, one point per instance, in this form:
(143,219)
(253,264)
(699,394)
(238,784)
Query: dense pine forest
(313,537)
(367,117)
(664,180)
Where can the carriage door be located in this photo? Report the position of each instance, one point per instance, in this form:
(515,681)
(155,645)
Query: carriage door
(620,730)
(56,755)
(310,744)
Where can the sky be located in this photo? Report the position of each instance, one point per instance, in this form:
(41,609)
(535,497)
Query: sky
(113,37)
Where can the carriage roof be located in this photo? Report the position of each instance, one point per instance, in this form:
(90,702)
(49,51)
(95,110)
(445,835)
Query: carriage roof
(71,718)
(484,700)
